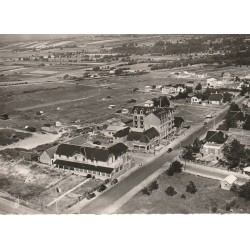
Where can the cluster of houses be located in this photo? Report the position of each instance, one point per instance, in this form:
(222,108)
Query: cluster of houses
(186,74)
(106,154)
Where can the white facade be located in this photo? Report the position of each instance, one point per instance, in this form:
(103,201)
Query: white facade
(227,183)
(194,99)
(149,103)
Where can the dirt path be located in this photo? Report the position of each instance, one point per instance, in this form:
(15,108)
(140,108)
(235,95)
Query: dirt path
(51,104)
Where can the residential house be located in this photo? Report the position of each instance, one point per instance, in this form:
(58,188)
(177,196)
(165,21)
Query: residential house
(121,135)
(143,141)
(139,113)
(195,100)
(48,155)
(173,90)
(112,129)
(149,103)
(213,83)
(100,162)
(227,182)
(162,119)
(215,99)
(214,143)
(148,88)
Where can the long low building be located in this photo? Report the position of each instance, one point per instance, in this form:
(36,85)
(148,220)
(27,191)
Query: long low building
(98,161)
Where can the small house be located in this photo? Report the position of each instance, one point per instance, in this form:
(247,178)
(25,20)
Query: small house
(39,113)
(195,99)
(48,155)
(58,124)
(227,182)
(215,99)
(121,135)
(149,103)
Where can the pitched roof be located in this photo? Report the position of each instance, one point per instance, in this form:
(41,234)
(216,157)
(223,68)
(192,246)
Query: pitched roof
(121,133)
(51,151)
(145,110)
(84,166)
(230,179)
(160,112)
(215,97)
(216,137)
(145,136)
(98,154)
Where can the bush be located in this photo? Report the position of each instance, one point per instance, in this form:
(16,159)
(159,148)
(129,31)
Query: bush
(183,196)
(214,209)
(175,167)
(153,186)
(170,191)
(113,182)
(191,188)
(146,191)
(106,181)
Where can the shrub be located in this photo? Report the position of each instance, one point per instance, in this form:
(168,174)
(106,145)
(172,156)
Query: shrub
(214,209)
(183,196)
(153,186)
(146,191)
(191,188)
(106,181)
(170,191)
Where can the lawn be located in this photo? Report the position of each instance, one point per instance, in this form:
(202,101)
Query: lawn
(208,196)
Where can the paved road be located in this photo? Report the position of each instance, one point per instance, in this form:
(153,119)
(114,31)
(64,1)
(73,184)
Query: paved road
(9,207)
(122,188)
(214,173)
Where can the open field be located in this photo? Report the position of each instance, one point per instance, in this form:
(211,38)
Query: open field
(208,196)
(9,136)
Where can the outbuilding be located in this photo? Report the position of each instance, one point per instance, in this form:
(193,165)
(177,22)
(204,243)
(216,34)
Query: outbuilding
(227,182)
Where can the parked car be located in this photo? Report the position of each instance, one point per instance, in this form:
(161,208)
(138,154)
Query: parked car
(97,142)
(113,182)
(102,188)
(170,150)
(90,196)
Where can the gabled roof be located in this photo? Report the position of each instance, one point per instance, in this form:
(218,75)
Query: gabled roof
(145,110)
(121,133)
(230,179)
(98,154)
(216,137)
(145,136)
(162,111)
(51,151)
(215,97)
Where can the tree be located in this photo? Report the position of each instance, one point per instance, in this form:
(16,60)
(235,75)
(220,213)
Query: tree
(197,145)
(245,191)
(198,87)
(246,124)
(170,191)
(175,167)
(153,186)
(191,188)
(153,86)
(227,97)
(187,153)
(234,153)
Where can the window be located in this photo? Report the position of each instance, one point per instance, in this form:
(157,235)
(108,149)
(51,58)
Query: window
(85,171)
(93,172)
(103,174)
(98,173)
(89,171)
(121,167)
(108,175)
(75,157)
(141,112)
(141,117)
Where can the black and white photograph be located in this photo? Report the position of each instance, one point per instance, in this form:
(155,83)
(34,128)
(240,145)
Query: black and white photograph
(123,114)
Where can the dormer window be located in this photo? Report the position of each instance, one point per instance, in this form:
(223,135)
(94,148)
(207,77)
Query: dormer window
(141,112)
(135,111)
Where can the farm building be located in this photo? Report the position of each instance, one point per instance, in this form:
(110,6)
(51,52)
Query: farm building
(102,163)
(227,182)
(48,155)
